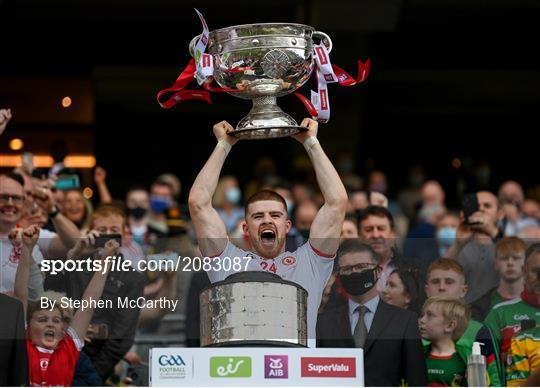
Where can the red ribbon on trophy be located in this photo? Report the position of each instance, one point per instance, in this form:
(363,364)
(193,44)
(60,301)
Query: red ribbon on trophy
(201,67)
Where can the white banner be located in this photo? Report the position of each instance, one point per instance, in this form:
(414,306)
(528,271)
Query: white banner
(256,367)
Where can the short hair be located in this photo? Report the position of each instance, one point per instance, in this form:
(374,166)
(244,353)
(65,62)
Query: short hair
(377,211)
(15,176)
(446,265)
(353,245)
(508,245)
(107,211)
(452,309)
(266,195)
(50,296)
(535,248)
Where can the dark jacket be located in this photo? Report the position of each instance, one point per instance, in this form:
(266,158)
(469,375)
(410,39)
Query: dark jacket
(121,322)
(13,357)
(393,353)
(85,373)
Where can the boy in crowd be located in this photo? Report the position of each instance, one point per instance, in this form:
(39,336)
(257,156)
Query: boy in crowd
(447,277)
(509,262)
(52,349)
(443,322)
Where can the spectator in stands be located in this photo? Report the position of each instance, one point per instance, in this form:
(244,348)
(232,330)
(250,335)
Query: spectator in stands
(509,262)
(404,289)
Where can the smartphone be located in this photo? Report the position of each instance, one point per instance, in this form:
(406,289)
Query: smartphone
(67,182)
(469,206)
(102,239)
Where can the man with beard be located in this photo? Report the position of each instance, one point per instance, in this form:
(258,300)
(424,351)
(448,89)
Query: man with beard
(389,336)
(267,223)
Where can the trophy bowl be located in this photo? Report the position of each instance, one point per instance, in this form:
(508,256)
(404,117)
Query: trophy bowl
(254,309)
(261,62)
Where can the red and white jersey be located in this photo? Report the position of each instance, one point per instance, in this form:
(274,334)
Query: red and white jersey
(306,266)
(54,367)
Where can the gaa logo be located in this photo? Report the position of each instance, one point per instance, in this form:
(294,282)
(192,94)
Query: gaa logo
(171,360)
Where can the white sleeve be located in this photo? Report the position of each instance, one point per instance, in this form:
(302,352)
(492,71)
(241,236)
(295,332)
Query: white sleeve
(44,241)
(231,251)
(317,265)
(79,343)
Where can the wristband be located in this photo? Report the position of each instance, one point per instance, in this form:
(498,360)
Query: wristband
(54,212)
(310,142)
(225,145)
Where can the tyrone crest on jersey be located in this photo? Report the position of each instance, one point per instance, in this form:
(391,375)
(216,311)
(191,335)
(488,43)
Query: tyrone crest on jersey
(289,261)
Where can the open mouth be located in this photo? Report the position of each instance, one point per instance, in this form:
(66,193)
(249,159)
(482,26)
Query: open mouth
(8,211)
(268,237)
(49,335)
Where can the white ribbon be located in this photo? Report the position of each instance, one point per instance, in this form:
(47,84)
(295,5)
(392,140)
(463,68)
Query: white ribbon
(203,62)
(325,75)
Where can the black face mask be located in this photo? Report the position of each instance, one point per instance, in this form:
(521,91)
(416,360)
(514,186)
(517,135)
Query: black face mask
(137,212)
(358,283)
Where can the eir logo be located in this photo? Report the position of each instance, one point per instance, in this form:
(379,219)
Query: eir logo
(322,55)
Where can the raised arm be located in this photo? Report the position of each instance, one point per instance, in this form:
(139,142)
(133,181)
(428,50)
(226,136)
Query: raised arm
(5,116)
(82,317)
(25,240)
(209,228)
(326,228)
(100,176)
(67,232)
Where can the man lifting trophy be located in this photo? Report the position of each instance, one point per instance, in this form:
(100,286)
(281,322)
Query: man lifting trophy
(266,225)
(261,62)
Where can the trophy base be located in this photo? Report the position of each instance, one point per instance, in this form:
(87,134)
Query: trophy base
(266,120)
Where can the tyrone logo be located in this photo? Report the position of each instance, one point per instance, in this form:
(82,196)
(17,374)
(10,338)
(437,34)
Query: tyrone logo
(289,260)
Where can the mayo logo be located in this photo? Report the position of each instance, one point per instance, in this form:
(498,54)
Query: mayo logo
(276,367)
(230,366)
(171,360)
(328,366)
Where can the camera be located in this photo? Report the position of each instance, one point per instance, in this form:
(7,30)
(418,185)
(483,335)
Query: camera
(469,206)
(102,239)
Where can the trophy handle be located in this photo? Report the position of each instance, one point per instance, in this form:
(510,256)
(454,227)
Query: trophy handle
(192,45)
(324,39)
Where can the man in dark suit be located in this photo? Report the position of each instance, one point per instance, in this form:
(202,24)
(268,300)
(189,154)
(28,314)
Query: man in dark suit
(390,337)
(13,358)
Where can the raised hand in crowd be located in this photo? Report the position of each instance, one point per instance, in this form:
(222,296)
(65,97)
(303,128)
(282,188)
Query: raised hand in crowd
(25,240)
(5,116)
(100,175)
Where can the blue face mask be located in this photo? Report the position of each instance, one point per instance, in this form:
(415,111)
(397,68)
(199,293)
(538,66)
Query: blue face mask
(233,195)
(159,204)
(446,236)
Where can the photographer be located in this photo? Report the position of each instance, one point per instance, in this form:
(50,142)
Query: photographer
(474,247)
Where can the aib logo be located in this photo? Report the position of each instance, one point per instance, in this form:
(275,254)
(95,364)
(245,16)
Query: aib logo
(276,367)
(171,360)
(230,366)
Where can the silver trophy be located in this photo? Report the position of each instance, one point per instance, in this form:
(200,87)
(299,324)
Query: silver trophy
(261,62)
